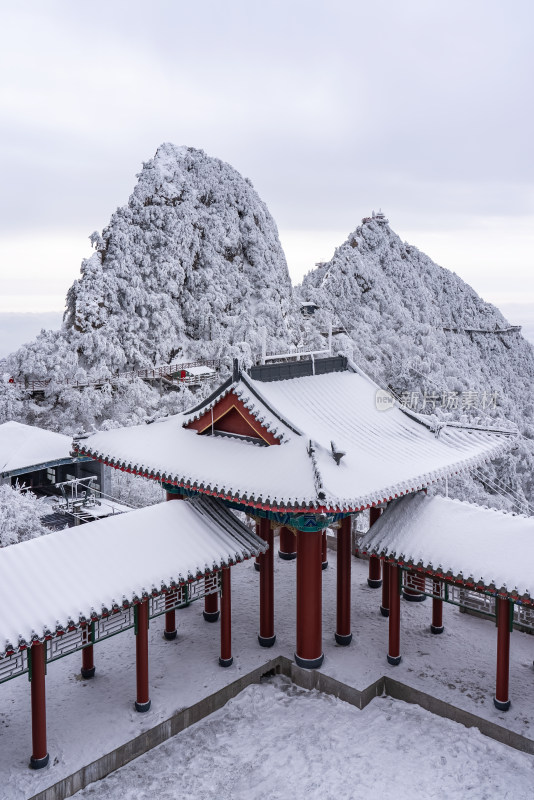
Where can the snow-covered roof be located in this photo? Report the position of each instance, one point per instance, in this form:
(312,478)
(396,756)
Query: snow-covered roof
(337,451)
(24,447)
(481,545)
(199,371)
(65,577)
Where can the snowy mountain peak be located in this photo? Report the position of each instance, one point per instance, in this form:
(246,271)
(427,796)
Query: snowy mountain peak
(190,267)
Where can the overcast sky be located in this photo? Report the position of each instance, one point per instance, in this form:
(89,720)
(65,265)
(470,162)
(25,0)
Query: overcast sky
(332,109)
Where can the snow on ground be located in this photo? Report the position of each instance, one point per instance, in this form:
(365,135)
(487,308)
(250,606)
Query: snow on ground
(277,741)
(89,718)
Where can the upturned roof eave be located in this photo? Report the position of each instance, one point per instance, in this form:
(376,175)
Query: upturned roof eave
(309,504)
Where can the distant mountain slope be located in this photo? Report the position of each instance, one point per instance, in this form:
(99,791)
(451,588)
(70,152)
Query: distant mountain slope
(406,320)
(191,266)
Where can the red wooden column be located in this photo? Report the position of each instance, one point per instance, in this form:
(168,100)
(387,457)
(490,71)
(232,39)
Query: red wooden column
(324,551)
(374,580)
(267,636)
(394,656)
(288,544)
(309,653)
(141,654)
(504,609)
(88,664)
(226,658)
(437,610)
(343,633)
(384,608)
(169,631)
(39,757)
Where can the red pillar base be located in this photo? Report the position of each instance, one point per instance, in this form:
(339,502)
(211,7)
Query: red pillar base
(309,663)
(288,544)
(39,763)
(374,580)
(501,706)
(343,639)
(413,596)
(211,607)
(170,632)
(394,660)
(88,673)
(266,641)
(437,629)
(142,707)
(257,564)
(88,668)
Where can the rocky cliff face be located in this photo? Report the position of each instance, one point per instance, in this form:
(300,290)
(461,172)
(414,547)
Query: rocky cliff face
(424,332)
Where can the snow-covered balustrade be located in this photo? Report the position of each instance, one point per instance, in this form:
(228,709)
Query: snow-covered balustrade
(454,551)
(86,581)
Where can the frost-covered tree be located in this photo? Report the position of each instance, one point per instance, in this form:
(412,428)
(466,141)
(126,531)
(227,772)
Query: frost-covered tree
(20,516)
(190,267)
(413,325)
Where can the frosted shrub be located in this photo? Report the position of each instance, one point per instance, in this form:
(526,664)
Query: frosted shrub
(20,516)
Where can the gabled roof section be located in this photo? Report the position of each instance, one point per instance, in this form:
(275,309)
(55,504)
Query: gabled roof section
(25,448)
(179,541)
(239,407)
(481,546)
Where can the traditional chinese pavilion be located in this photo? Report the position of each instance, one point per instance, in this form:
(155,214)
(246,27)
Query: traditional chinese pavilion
(301,447)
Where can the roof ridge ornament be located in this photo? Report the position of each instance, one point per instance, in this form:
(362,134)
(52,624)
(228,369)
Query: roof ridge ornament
(337,454)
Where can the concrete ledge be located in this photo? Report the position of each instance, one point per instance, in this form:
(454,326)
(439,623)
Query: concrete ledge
(160,733)
(306,679)
(400,691)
